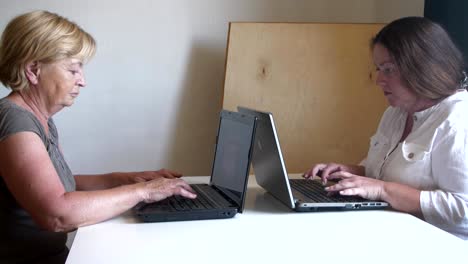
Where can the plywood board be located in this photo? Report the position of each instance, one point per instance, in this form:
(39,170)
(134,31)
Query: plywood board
(316,79)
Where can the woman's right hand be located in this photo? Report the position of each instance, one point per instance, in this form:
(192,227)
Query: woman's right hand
(323,170)
(161,188)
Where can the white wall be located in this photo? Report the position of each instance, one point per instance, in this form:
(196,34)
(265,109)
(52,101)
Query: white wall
(155,86)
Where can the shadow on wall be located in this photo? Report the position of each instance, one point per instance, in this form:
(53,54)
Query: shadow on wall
(192,148)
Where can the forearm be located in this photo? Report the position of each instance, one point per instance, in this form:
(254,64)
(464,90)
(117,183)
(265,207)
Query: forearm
(101,181)
(402,198)
(81,208)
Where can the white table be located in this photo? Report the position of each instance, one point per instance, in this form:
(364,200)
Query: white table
(268,232)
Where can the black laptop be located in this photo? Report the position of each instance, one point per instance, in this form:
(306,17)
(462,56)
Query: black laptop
(224,196)
(299,194)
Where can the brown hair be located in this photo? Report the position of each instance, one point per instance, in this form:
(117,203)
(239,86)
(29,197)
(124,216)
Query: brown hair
(429,62)
(40,36)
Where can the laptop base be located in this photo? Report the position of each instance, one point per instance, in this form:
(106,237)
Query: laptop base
(309,196)
(209,204)
(184,216)
(330,208)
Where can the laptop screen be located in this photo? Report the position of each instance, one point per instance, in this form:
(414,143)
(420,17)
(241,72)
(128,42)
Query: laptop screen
(267,161)
(232,156)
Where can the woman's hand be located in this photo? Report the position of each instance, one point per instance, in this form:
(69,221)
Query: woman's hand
(351,184)
(151,175)
(123,178)
(116,179)
(324,170)
(161,188)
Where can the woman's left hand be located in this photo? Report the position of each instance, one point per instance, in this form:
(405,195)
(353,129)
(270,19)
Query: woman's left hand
(351,184)
(123,178)
(151,175)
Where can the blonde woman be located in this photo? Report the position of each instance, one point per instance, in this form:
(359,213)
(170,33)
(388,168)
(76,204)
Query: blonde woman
(41,59)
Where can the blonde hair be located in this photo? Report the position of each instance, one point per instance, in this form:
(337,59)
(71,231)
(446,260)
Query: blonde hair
(43,37)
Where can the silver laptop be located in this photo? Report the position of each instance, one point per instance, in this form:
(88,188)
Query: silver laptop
(299,194)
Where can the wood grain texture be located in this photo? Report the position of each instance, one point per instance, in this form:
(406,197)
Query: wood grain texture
(316,79)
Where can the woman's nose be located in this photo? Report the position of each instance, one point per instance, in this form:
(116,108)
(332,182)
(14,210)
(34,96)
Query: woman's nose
(81,81)
(380,79)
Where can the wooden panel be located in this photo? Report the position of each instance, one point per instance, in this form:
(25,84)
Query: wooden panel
(316,79)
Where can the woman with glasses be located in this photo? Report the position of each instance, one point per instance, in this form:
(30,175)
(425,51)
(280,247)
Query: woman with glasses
(418,158)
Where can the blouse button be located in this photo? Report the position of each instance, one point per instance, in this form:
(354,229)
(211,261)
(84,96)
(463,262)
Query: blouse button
(415,118)
(411,155)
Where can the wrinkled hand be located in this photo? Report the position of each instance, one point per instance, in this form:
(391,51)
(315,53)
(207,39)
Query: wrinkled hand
(324,170)
(351,184)
(161,188)
(151,175)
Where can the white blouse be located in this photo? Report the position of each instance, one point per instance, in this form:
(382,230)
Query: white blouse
(433,158)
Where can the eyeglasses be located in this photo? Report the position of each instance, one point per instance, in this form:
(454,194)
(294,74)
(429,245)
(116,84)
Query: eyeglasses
(388,69)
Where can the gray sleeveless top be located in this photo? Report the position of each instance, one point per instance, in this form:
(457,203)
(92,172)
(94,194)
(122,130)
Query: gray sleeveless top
(21,240)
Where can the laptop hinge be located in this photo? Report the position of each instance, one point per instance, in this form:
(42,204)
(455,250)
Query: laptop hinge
(227,195)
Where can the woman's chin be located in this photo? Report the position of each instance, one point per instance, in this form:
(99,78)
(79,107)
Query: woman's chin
(69,103)
(391,101)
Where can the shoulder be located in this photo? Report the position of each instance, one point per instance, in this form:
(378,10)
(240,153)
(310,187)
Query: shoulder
(452,112)
(14,119)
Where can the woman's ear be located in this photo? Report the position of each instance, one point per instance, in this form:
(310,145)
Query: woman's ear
(32,72)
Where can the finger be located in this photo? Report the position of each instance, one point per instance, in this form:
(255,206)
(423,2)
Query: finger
(331,168)
(176,174)
(340,175)
(334,188)
(189,188)
(165,174)
(312,172)
(317,170)
(308,173)
(352,191)
(139,179)
(184,184)
(341,185)
(147,176)
(171,173)
(185,193)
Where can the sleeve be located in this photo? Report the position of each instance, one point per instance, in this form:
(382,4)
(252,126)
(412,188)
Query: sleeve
(447,206)
(13,121)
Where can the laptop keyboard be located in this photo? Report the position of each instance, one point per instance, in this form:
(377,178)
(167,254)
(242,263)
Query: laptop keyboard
(314,190)
(207,198)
